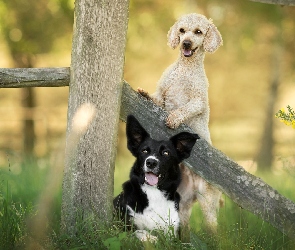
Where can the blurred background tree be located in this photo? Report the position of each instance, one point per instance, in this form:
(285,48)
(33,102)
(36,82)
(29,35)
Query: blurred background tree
(250,76)
(30,28)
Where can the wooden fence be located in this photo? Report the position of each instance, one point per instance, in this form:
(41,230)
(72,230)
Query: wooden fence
(248,191)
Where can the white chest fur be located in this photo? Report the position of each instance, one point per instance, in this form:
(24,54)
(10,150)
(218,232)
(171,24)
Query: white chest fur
(160,213)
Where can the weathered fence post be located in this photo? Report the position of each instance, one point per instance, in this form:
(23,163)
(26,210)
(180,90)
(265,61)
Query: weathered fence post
(93,112)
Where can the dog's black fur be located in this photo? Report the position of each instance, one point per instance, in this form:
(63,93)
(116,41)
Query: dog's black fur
(163,160)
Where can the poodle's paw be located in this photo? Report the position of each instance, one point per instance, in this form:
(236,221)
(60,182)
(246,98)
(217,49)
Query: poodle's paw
(174,119)
(143,93)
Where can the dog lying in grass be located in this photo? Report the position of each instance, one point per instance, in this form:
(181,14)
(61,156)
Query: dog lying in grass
(149,200)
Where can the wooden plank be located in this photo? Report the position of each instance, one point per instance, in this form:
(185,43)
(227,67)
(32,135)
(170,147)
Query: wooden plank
(278,2)
(248,191)
(34,77)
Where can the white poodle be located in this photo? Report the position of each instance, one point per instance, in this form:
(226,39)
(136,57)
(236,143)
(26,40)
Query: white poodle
(183,92)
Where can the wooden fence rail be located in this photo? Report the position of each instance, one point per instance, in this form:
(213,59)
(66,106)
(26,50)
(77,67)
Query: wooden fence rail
(248,191)
(34,77)
(278,2)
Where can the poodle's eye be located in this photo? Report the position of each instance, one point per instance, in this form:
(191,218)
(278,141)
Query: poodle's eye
(166,153)
(198,32)
(181,30)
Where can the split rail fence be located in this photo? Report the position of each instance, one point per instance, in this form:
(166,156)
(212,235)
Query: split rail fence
(247,190)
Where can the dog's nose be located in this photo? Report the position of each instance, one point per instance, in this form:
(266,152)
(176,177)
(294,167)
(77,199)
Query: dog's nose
(151,163)
(187,44)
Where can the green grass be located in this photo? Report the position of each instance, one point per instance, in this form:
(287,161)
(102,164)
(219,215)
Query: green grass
(22,194)
(12,221)
(240,229)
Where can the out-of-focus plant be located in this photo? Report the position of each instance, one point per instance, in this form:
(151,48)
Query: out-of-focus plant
(287,117)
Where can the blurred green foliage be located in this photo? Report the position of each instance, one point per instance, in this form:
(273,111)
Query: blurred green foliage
(31,27)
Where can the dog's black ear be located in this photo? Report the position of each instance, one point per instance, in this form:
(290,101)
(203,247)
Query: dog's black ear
(184,142)
(136,134)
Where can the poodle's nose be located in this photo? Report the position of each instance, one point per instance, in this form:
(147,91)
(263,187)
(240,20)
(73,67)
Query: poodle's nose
(151,163)
(187,44)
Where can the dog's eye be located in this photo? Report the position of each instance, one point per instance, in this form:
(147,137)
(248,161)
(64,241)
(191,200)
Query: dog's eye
(144,151)
(181,30)
(198,32)
(166,153)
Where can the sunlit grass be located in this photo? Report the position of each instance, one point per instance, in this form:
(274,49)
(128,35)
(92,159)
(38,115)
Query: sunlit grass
(12,220)
(20,194)
(238,228)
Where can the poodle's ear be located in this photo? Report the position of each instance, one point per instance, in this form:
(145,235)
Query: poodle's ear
(173,37)
(136,134)
(213,39)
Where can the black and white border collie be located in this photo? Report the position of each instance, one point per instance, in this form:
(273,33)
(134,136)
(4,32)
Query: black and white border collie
(149,200)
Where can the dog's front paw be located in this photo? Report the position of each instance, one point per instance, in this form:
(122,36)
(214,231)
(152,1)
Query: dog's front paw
(143,235)
(173,120)
(143,93)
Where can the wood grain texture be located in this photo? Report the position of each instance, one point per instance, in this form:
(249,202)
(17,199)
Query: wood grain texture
(34,77)
(97,64)
(278,2)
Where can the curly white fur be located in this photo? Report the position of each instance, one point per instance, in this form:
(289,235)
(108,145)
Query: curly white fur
(183,91)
